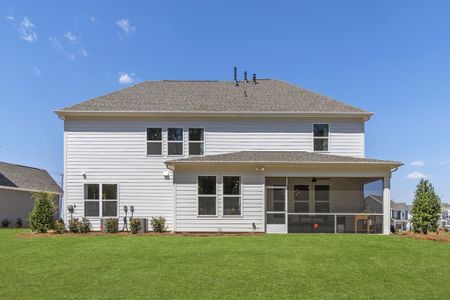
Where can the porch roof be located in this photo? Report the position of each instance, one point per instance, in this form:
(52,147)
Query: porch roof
(282,157)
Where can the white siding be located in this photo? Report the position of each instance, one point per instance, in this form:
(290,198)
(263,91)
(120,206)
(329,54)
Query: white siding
(251,199)
(19,204)
(114,151)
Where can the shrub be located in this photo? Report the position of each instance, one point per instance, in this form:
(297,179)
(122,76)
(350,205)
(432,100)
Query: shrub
(5,223)
(158,224)
(19,223)
(84,226)
(59,226)
(74,225)
(426,208)
(112,225)
(135,225)
(41,217)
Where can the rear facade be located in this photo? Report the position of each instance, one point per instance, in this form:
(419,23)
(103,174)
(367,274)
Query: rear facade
(224,157)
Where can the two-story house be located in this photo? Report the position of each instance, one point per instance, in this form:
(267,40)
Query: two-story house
(262,155)
(401,216)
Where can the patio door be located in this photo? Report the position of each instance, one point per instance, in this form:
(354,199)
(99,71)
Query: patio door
(276,208)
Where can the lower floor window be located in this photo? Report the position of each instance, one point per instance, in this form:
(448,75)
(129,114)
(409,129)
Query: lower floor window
(231,195)
(207,195)
(100,198)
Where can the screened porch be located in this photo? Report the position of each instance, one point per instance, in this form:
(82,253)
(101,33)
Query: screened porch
(324,205)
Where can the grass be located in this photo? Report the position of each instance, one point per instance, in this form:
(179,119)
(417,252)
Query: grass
(272,266)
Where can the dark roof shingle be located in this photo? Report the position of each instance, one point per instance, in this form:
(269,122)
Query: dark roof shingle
(267,96)
(298,157)
(27,178)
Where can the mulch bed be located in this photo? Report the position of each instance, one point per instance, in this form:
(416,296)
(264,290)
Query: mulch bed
(440,236)
(121,233)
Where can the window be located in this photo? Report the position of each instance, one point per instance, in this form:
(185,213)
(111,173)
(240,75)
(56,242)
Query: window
(321,137)
(196,141)
(206,195)
(175,141)
(322,196)
(231,195)
(108,201)
(91,200)
(301,198)
(154,141)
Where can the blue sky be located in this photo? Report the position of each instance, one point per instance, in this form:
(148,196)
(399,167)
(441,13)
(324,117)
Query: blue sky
(388,57)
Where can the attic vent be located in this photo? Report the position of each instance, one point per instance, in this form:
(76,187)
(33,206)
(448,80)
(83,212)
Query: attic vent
(254,79)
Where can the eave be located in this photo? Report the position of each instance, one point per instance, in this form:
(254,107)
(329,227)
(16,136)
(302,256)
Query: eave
(237,114)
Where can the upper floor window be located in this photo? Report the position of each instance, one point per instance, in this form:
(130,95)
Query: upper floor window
(175,141)
(196,141)
(207,195)
(154,141)
(321,137)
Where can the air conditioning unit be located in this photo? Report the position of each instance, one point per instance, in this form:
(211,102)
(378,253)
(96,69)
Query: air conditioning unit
(144,225)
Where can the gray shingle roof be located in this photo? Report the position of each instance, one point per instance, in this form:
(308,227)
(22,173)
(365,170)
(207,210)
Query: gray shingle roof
(287,157)
(267,96)
(27,178)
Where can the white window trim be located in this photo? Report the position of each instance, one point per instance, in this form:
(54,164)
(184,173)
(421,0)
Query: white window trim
(100,200)
(174,142)
(161,141)
(224,196)
(204,195)
(198,142)
(321,137)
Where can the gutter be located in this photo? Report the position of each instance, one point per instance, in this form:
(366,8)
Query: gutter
(62,114)
(174,162)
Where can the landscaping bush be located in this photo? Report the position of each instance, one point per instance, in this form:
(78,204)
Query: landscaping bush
(426,208)
(135,225)
(5,223)
(158,224)
(84,226)
(41,217)
(19,223)
(112,225)
(74,225)
(59,226)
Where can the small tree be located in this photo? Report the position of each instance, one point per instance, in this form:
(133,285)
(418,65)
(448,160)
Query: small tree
(41,217)
(426,208)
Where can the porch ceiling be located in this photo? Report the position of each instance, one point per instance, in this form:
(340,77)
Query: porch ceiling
(282,158)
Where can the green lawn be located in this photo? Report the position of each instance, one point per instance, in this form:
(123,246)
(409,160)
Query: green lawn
(272,266)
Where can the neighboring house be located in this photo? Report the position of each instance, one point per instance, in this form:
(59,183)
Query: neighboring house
(445,216)
(401,216)
(400,211)
(17,184)
(263,156)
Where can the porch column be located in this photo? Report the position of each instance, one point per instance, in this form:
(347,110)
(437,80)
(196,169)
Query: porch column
(386,204)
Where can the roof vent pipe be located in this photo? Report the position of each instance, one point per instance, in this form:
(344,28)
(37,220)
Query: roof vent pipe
(254,78)
(235,76)
(245,77)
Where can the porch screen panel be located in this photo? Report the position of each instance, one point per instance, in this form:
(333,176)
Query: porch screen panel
(276,200)
(311,223)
